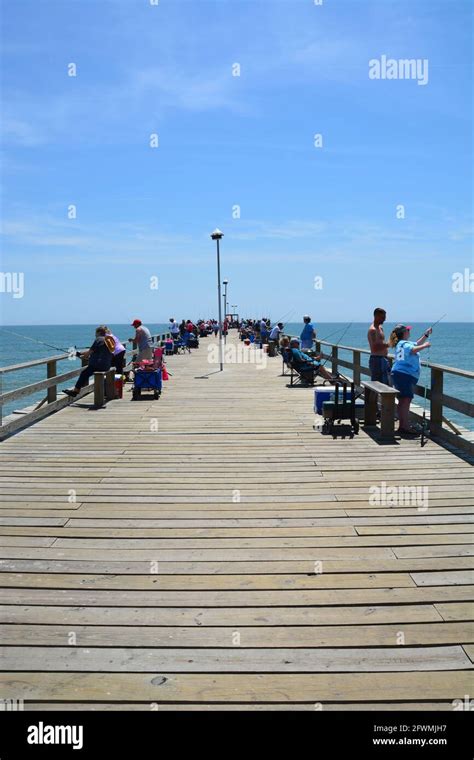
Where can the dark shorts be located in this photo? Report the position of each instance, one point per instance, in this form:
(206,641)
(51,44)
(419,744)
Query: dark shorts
(404,383)
(379,369)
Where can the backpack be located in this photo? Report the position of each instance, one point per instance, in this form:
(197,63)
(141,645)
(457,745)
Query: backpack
(109,341)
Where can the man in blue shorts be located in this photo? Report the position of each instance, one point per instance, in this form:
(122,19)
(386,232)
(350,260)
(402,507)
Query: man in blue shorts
(378,362)
(308,333)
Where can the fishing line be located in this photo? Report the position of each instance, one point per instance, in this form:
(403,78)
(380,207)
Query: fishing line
(346,329)
(35,340)
(424,430)
(320,340)
(291,312)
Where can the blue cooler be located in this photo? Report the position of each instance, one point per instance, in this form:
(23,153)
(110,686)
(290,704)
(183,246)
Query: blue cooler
(326,393)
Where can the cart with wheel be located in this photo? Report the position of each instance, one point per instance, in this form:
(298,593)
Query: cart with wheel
(344,407)
(146,379)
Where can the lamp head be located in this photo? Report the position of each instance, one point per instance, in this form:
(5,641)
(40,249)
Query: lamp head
(217,234)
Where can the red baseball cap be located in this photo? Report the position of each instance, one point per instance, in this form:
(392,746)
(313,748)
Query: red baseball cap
(400,329)
(136,323)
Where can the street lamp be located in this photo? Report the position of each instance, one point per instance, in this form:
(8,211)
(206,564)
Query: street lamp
(218,235)
(225,283)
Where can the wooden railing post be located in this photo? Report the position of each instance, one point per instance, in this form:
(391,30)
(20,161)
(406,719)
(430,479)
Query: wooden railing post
(370,407)
(436,402)
(110,384)
(334,359)
(51,371)
(356,369)
(99,395)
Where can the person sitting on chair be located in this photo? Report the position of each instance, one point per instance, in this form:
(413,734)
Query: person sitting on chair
(100,360)
(306,366)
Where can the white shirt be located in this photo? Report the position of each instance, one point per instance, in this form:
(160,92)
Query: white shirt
(174,327)
(275,333)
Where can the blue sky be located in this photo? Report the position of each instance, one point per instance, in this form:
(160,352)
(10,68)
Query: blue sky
(227,140)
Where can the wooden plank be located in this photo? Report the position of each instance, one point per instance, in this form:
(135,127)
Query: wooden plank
(233,660)
(433,551)
(446,578)
(255,544)
(27,390)
(286,598)
(305,567)
(235,616)
(411,530)
(380,635)
(217,555)
(190,687)
(206,582)
(26,541)
(469,649)
(32,363)
(456,611)
(230,707)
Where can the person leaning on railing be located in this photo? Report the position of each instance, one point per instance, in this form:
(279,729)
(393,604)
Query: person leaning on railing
(308,333)
(142,340)
(100,360)
(119,353)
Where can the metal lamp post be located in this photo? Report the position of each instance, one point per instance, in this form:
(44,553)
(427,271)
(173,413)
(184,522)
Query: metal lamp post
(225,283)
(218,235)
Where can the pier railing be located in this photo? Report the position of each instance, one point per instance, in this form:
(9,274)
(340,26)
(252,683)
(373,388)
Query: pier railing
(439,401)
(50,403)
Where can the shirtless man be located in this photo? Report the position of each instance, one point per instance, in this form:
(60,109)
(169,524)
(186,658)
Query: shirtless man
(378,362)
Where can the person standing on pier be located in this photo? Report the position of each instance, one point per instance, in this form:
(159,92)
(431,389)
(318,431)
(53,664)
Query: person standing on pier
(274,339)
(378,363)
(406,371)
(308,334)
(142,340)
(174,329)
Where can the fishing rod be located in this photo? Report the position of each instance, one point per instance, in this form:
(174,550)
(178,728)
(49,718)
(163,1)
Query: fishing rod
(338,342)
(291,312)
(428,363)
(35,340)
(330,334)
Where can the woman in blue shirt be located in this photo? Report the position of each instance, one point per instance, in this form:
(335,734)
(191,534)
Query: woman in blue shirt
(406,371)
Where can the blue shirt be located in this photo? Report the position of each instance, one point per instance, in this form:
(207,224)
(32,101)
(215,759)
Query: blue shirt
(306,336)
(301,358)
(405,360)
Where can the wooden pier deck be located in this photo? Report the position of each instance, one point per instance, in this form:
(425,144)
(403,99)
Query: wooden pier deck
(210,550)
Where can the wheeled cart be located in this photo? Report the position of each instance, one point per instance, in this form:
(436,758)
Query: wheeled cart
(147,380)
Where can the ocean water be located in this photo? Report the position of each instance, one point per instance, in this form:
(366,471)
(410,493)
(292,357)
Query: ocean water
(16,350)
(452,345)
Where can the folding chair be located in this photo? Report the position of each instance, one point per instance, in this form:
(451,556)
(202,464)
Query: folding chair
(181,345)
